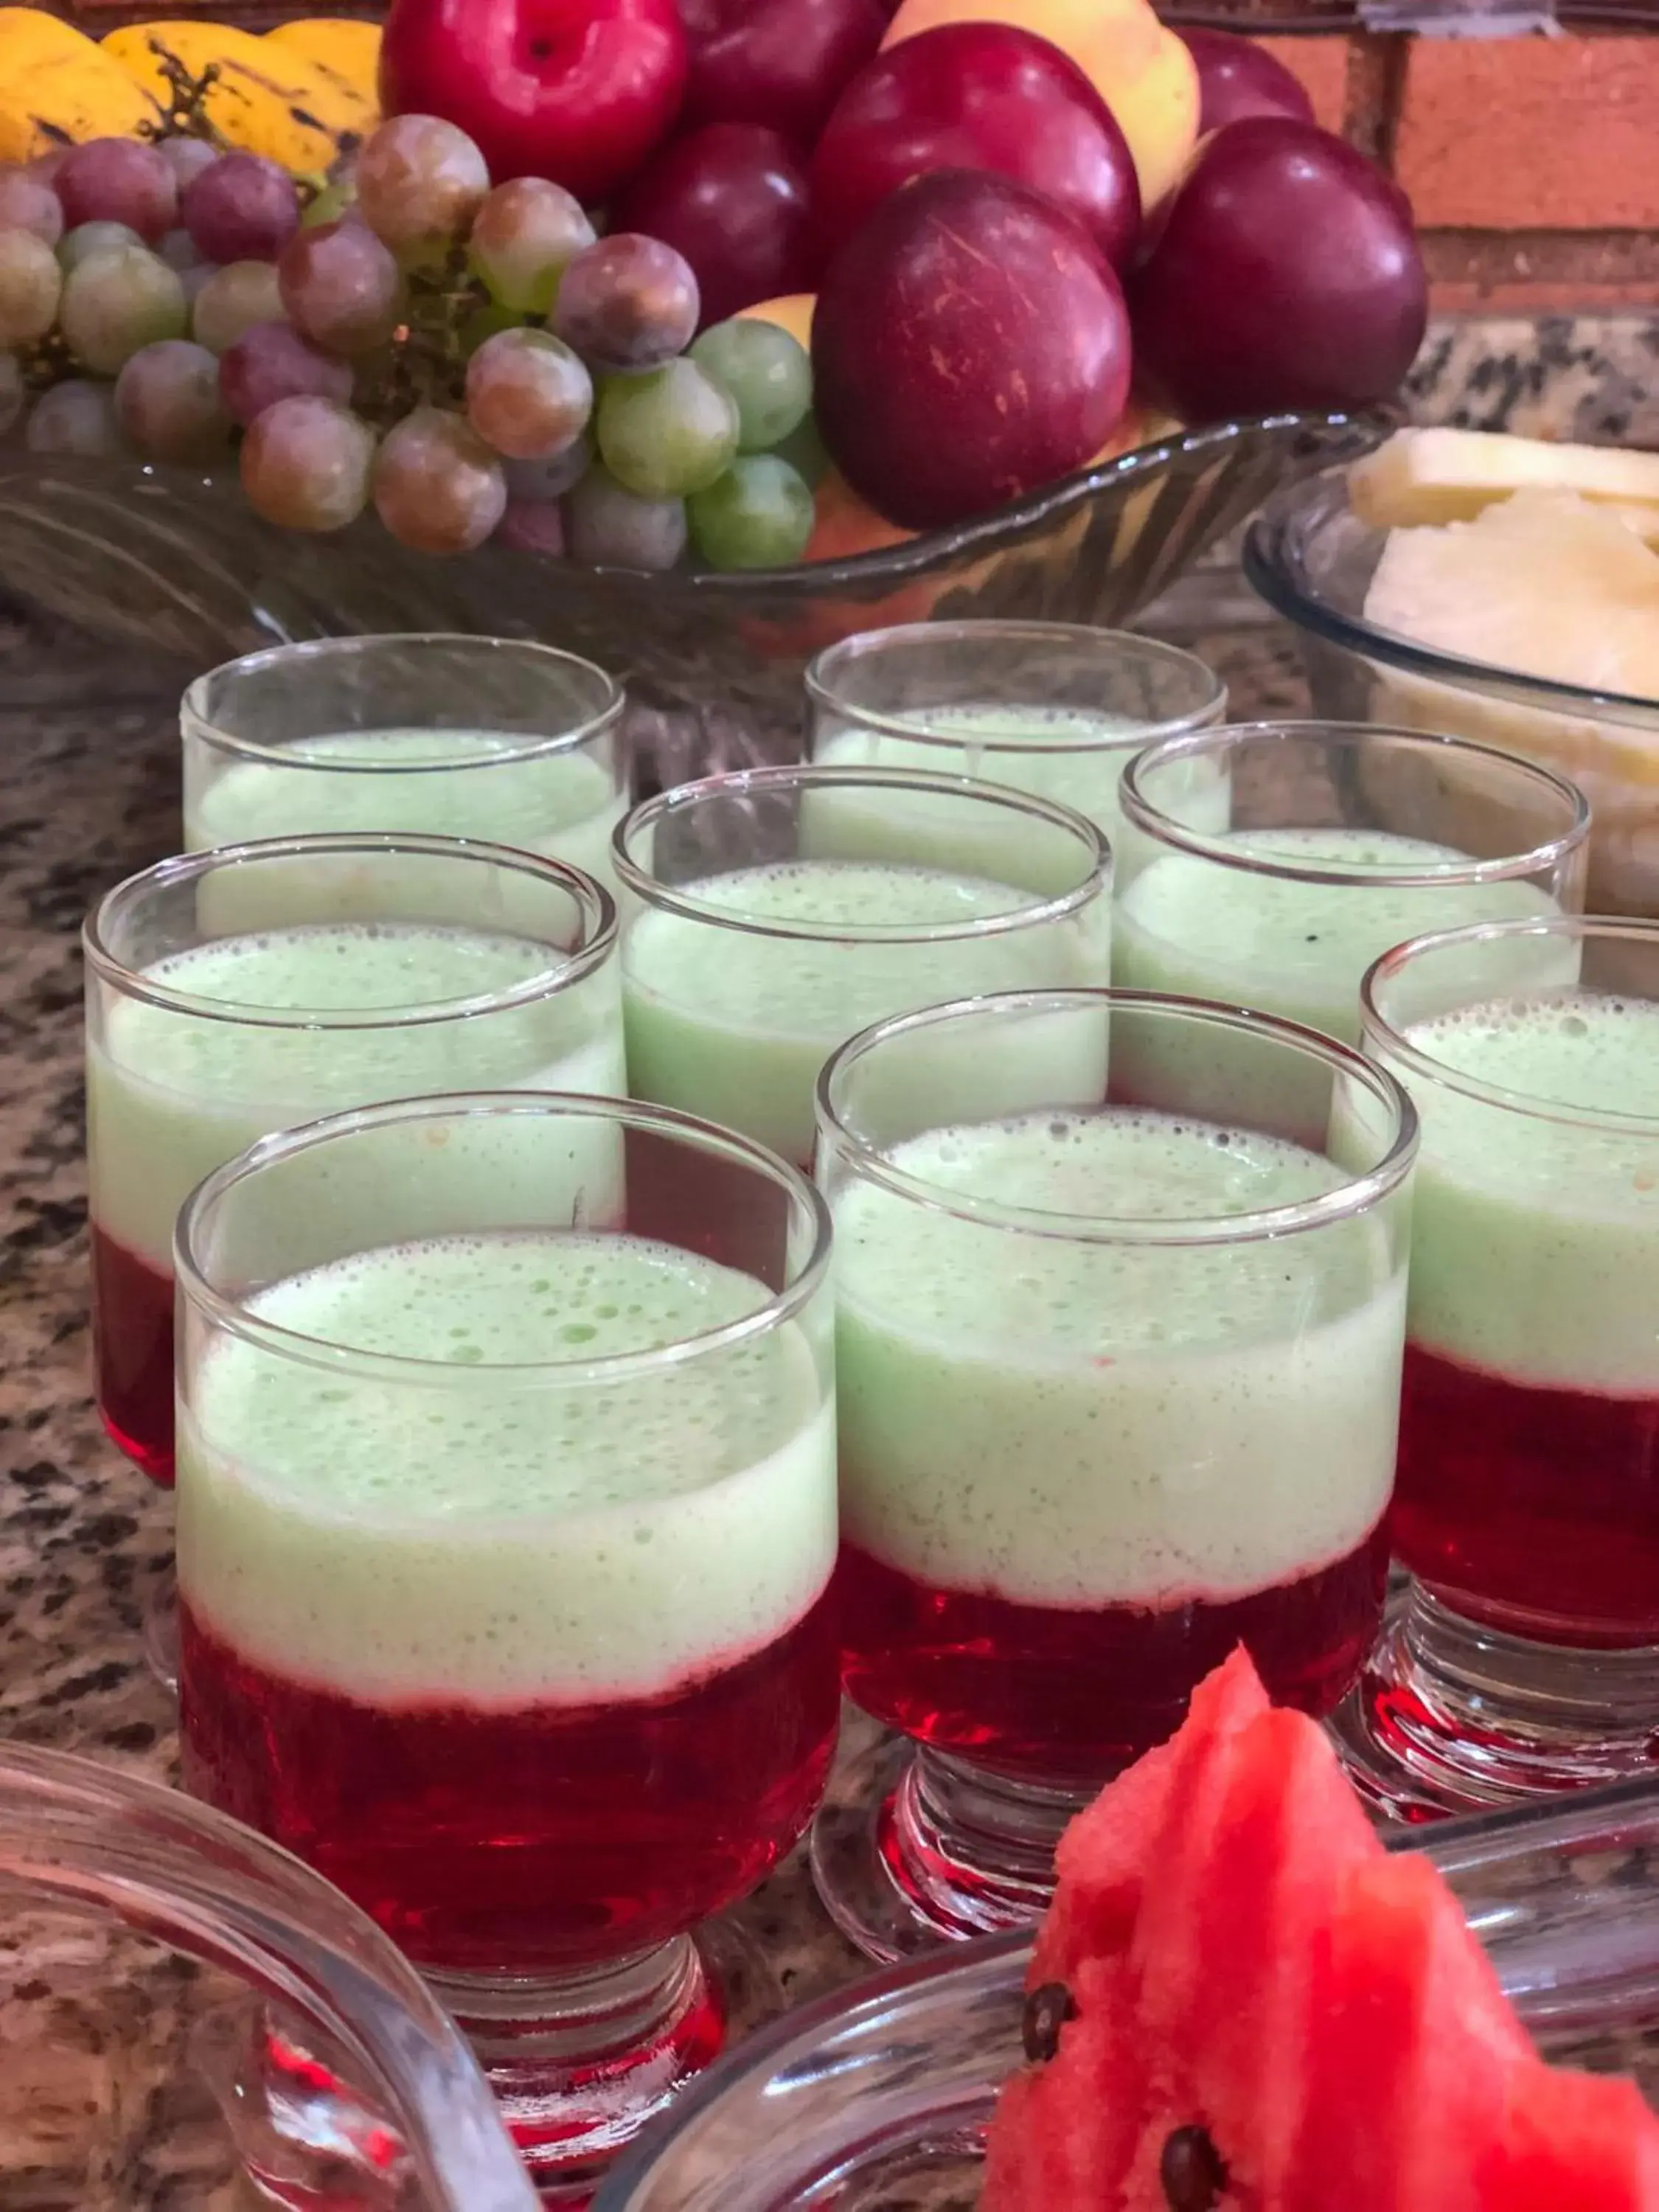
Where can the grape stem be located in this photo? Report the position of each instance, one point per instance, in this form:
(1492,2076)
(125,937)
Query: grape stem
(186,115)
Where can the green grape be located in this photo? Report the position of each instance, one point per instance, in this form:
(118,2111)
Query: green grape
(118,301)
(232,301)
(87,239)
(609,528)
(667,433)
(524,234)
(30,283)
(327,204)
(766,371)
(758,515)
(486,323)
(805,450)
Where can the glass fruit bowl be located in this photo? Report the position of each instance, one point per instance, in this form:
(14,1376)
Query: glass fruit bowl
(167,558)
(190,2020)
(875,2099)
(1312,559)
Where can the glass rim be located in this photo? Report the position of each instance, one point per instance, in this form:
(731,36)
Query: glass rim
(1154,822)
(1377,1029)
(230,1314)
(1033,911)
(197,725)
(820,693)
(595,908)
(1355,1194)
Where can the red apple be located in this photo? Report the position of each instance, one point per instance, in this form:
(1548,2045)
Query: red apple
(1237,79)
(969,344)
(578,91)
(1285,274)
(731,198)
(777,62)
(976,96)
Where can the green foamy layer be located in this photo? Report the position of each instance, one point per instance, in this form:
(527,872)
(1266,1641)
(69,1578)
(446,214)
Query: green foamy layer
(563,805)
(1068,1422)
(498,1536)
(173,1095)
(1292,945)
(1536,1243)
(735,1026)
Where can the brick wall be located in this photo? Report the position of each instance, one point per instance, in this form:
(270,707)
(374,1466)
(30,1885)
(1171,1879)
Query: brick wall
(1533,163)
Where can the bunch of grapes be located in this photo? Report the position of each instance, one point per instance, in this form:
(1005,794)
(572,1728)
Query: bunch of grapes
(474,362)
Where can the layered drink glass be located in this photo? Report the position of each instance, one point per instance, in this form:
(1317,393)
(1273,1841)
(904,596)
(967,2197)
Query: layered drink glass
(1525,1657)
(506,1522)
(1268,864)
(1119,1376)
(240,990)
(1055,709)
(496,738)
(769,914)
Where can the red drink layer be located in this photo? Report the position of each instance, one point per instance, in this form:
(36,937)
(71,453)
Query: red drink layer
(132,1354)
(1531,1510)
(1067,1694)
(528,1841)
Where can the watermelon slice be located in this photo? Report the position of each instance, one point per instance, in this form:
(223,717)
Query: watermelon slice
(1241,2003)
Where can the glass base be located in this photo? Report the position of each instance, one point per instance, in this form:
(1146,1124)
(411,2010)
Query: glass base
(940,1850)
(1450,1718)
(580,2066)
(159,1627)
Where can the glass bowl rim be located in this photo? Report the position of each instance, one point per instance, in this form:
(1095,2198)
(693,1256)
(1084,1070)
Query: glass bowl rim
(594,905)
(1378,1030)
(198,726)
(1033,911)
(900,635)
(1280,579)
(231,1316)
(1355,1195)
(1222,737)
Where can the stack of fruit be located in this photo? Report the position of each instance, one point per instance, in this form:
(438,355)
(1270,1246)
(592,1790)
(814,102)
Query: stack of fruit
(565,294)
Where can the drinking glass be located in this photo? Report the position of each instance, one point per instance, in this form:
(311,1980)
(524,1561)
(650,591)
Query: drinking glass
(1119,1373)
(468,737)
(1268,864)
(1526,1656)
(242,990)
(1051,707)
(507,1520)
(768,914)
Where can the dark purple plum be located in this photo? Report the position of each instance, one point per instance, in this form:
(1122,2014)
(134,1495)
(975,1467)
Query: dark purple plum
(1236,78)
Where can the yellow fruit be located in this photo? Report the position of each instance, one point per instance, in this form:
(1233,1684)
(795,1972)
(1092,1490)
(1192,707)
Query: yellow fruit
(1450,475)
(790,310)
(61,94)
(346,49)
(267,99)
(27,33)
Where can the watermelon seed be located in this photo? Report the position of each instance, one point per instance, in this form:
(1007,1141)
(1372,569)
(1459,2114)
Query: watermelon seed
(1046,2011)
(1191,2170)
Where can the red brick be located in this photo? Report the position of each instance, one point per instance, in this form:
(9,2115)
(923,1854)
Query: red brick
(1532,134)
(1531,272)
(1321,65)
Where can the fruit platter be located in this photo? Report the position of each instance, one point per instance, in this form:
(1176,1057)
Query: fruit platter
(720,336)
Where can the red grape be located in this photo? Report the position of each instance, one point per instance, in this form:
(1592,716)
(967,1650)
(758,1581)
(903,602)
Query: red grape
(242,208)
(25,204)
(119,181)
(167,400)
(610,528)
(231,300)
(420,182)
(31,285)
(537,482)
(733,200)
(13,391)
(274,361)
(523,238)
(306,465)
(437,486)
(527,395)
(187,157)
(342,287)
(532,525)
(627,302)
(76,416)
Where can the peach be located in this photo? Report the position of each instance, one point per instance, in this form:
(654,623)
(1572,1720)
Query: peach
(1142,69)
